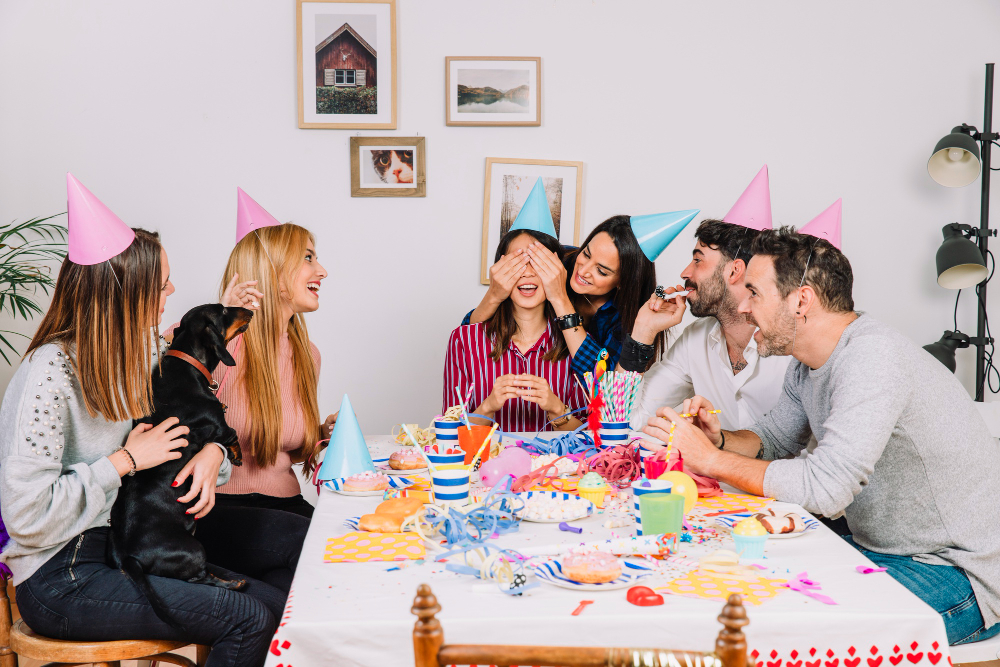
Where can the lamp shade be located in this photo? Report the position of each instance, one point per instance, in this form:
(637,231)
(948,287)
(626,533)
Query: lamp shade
(955,161)
(960,263)
(944,349)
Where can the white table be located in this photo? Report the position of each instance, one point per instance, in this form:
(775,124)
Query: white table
(359,614)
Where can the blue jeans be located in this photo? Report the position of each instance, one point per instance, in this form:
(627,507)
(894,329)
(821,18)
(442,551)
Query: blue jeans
(946,589)
(75,595)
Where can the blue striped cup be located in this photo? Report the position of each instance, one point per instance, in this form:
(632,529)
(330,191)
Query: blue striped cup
(444,459)
(614,433)
(446,431)
(638,489)
(451,487)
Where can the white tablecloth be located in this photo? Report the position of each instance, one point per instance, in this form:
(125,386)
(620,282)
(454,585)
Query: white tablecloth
(359,614)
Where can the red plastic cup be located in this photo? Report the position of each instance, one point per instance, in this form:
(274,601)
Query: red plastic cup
(655,468)
(472,441)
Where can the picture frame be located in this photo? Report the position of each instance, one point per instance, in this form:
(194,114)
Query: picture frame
(346,54)
(508,182)
(388,166)
(493,91)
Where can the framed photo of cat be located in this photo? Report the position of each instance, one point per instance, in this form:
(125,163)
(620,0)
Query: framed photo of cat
(492,90)
(508,182)
(388,167)
(346,64)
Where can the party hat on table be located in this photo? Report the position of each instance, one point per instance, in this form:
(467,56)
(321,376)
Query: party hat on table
(753,208)
(347,454)
(95,233)
(655,231)
(250,215)
(826,225)
(535,215)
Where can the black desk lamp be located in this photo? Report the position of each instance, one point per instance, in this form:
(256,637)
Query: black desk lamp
(957,161)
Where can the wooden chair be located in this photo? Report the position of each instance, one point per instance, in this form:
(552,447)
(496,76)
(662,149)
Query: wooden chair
(17,639)
(430,650)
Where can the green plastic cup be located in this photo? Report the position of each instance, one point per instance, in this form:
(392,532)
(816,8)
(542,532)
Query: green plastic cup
(661,513)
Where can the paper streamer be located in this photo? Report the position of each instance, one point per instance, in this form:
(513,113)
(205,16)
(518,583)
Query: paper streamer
(803,584)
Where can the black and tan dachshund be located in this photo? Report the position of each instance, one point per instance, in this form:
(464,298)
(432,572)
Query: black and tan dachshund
(151,534)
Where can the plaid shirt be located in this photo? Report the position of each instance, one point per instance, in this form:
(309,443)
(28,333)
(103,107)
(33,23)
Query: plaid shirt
(603,331)
(468,361)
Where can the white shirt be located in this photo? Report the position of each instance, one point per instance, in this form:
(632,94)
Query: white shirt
(698,364)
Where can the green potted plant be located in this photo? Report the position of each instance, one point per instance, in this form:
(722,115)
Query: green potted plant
(27,251)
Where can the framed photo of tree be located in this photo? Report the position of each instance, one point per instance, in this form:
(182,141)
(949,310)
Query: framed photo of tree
(508,182)
(346,64)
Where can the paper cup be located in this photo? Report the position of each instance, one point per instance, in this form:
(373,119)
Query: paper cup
(446,431)
(472,439)
(662,513)
(451,486)
(655,486)
(614,433)
(444,459)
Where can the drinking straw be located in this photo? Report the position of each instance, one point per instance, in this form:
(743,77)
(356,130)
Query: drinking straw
(711,412)
(420,449)
(475,459)
(465,412)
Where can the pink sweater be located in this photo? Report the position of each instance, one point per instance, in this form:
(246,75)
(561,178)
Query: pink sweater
(277,480)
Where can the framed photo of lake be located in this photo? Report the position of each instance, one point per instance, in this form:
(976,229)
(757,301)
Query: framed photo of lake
(347,64)
(388,167)
(492,90)
(508,183)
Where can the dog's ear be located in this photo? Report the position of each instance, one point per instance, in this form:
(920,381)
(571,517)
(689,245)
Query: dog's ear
(219,343)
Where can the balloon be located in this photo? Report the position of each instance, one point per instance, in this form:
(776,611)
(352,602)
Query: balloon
(493,471)
(684,485)
(518,461)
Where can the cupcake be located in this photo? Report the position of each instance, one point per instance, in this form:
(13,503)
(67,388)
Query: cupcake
(750,536)
(592,488)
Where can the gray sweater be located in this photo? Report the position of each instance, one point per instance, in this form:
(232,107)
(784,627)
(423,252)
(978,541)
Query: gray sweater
(902,451)
(56,480)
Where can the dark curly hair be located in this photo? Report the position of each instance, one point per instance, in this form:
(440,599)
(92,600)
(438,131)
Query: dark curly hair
(829,275)
(733,241)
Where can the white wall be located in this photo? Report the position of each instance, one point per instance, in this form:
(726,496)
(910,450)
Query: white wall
(163,109)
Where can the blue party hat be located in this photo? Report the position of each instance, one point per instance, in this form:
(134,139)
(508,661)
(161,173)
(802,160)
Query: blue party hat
(655,231)
(347,454)
(535,215)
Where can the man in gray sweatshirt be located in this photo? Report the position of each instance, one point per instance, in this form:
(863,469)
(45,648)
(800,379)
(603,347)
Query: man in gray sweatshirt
(902,450)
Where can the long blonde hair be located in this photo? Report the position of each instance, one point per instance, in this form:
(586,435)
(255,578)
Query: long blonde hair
(272,256)
(93,305)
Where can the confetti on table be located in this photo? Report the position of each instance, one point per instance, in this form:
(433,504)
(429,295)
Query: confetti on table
(697,585)
(359,547)
(869,570)
(733,501)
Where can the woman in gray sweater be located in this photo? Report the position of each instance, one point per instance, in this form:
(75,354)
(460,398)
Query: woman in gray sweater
(68,440)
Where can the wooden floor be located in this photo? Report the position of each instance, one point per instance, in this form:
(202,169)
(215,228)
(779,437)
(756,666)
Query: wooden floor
(188,652)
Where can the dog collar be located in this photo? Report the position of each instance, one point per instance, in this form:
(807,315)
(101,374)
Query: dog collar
(213,387)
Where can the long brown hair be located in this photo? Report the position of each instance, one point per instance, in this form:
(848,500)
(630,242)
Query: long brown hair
(284,245)
(104,318)
(502,326)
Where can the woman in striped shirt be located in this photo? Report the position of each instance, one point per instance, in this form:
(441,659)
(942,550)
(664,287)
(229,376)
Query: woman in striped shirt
(517,362)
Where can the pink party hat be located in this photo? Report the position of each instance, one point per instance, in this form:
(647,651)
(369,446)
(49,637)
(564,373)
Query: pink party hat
(826,225)
(753,208)
(250,215)
(95,233)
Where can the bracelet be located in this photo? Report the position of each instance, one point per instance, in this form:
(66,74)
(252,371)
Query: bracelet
(130,473)
(564,420)
(636,356)
(570,321)
(723,445)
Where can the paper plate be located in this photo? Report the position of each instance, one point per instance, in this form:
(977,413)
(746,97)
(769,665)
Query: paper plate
(553,494)
(731,520)
(352,523)
(384,468)
(373,492)
(551,573)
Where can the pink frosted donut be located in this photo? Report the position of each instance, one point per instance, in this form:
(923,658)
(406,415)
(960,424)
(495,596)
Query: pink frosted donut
(406,459)
(366,481)
(595,567)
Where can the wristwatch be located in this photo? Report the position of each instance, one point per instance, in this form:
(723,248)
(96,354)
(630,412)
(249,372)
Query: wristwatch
(569,321)
(562,421)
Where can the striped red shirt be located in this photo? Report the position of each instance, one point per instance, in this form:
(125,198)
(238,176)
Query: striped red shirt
(468,361)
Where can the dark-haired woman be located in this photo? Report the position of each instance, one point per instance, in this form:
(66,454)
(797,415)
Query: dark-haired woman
(517,361)
(595,291)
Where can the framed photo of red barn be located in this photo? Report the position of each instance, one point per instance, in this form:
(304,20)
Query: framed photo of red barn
(347,64)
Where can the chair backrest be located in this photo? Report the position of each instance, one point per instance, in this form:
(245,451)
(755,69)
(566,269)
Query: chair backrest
(430,650)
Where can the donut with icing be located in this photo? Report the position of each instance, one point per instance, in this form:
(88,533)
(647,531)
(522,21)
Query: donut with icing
(367,481)
(779,525)
(595,567)
(406,459)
